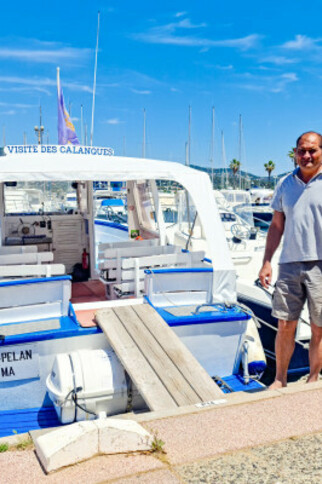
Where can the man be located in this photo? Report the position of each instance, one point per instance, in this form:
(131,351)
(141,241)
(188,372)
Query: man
(297,204)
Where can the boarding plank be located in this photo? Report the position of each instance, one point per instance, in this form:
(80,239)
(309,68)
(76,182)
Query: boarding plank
(150,386)
(187,364)
(178,387)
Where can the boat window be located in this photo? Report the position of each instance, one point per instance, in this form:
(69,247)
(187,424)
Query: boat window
(228,217)
(145,205)
(40,198)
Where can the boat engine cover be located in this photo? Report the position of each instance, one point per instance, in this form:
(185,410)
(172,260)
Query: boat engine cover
(84,383)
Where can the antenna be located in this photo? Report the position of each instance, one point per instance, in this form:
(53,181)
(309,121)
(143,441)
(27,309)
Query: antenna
(4,134)
(94,82)
(24,138)
(144,133)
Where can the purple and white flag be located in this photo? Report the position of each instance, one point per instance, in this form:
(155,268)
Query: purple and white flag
(66,130)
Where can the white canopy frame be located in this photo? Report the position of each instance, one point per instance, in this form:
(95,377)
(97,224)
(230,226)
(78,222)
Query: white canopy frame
(31,167)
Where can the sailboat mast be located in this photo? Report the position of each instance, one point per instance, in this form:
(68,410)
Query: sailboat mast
(240,148)
(94,82)
(189,139)
(144,133)
(212,159)
(223,152)
(82,125)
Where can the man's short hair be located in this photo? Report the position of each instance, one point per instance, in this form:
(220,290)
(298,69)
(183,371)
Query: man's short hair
(309,132)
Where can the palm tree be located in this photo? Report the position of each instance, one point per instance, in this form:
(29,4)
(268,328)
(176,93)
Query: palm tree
(291,155)
(234,166)
(269,167)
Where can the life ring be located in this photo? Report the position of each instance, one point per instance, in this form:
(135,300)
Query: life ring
(139,237)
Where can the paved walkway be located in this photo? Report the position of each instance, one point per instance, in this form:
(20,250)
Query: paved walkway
(268,437)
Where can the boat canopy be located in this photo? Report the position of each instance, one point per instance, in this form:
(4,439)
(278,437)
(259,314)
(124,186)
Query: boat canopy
(70,163)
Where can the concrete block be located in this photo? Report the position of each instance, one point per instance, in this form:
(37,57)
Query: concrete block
(67,445)
(118,435)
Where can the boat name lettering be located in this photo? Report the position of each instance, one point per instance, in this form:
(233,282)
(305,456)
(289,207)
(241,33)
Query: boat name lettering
(19,362)
(15,356)
(64,149)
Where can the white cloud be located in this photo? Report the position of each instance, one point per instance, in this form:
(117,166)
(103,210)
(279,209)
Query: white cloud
(229,67)
(180,14)
(173,34)
(302,42)
(19,106)
(37,83)
(113,121)
(141,91)
(10,112)
(278,60)
(274,84)
(47,56)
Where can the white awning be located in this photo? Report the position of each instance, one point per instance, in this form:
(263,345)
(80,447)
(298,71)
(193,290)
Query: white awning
(58,166)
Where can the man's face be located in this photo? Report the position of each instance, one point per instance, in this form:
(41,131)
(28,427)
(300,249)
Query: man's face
(309,155)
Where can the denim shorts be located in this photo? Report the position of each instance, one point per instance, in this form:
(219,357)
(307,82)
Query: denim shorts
(297,283)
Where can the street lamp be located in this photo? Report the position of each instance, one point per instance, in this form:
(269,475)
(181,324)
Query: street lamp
(39,129)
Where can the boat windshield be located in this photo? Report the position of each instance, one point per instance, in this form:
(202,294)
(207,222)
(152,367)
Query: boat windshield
(39,198)
(238,202)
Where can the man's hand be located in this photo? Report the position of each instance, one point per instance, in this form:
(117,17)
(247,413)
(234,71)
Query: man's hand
(265,274)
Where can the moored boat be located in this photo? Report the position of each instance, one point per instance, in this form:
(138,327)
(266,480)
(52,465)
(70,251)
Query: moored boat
(48,353)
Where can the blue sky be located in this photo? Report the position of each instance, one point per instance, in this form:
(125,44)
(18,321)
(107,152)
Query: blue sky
(260,60)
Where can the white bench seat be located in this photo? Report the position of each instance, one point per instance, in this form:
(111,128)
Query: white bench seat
(27,258)
(31,270)
(126,243)
(18,249)
(132,270)
(30,299)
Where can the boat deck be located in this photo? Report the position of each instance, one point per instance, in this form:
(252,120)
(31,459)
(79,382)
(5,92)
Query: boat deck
(89,291)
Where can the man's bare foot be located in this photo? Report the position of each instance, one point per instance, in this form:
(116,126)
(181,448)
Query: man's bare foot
(312,378)
(276,385)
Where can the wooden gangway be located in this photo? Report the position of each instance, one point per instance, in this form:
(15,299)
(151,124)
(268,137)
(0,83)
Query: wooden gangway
(166,374)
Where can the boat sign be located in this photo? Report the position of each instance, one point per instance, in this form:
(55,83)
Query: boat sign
(64,149)
(20,362)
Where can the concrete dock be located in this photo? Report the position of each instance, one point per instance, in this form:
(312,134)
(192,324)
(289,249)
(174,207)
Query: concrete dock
(271,437)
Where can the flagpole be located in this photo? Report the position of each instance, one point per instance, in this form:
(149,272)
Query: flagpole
(94,83)
(58,79)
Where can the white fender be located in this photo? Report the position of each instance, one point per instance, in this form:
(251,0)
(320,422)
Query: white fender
(256,355)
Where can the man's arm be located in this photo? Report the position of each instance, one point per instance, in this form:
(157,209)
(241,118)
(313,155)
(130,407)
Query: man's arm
(274,236)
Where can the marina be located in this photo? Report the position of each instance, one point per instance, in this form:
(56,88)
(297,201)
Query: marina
(153,217)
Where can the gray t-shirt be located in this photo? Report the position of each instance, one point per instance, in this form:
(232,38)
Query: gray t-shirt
(301,204)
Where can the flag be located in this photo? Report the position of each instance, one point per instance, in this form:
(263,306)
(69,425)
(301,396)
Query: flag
(66,130)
